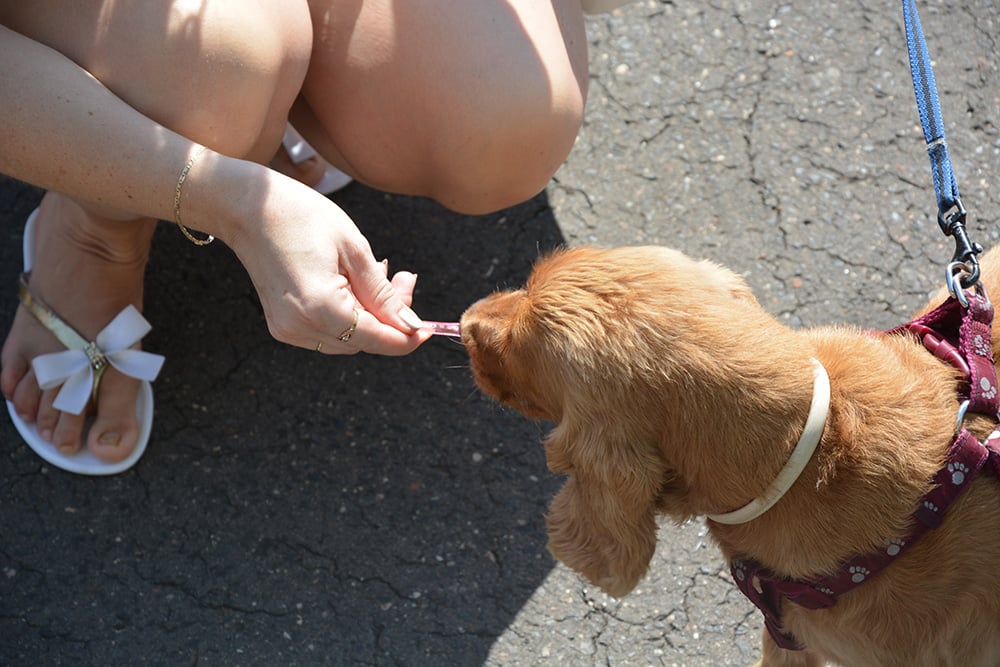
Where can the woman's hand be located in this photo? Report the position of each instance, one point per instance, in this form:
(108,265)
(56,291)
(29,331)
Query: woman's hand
(319,283)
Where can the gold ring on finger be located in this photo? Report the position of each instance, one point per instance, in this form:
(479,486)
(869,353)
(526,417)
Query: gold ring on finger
(346,335)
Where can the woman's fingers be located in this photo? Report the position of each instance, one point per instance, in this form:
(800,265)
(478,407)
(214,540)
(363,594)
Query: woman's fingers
(375,337)
(363,331)
(379,296)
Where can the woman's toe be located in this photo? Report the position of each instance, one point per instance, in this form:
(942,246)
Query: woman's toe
(48,416)
(13,368)
(25,397)
(114,432)
(66,436)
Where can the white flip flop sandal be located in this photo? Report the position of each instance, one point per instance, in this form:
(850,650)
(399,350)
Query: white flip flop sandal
(299,151)
(78,369)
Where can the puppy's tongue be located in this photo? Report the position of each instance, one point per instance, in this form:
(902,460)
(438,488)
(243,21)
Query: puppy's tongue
(450,329)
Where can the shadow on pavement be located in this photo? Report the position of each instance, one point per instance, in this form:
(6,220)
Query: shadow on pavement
(292,508)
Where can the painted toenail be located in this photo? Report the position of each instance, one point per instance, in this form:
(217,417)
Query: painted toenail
(68,450)
(110,438)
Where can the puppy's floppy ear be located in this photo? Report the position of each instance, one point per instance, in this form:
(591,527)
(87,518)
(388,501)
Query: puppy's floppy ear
(602,523)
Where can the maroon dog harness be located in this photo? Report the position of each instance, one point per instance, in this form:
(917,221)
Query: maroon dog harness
(960,336)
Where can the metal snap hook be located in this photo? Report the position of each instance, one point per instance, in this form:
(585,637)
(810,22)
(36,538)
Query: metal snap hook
(957,286)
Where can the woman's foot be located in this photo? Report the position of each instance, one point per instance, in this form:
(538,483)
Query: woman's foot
(87,269)
(309,171)
(297,159)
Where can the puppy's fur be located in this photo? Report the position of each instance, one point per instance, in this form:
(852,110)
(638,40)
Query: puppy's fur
(673,392)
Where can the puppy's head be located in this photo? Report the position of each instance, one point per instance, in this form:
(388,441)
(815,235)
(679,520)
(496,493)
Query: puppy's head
(590,343)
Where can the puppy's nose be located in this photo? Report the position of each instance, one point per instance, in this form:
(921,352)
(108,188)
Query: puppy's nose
(470,322)
(484,320)
(469,330)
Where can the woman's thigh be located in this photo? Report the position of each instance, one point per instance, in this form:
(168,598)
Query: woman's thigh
(473,102)
(222,72)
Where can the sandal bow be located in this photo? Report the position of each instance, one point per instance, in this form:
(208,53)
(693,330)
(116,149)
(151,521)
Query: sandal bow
(79,370)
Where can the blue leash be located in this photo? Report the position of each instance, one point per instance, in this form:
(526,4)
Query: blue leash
(951,213)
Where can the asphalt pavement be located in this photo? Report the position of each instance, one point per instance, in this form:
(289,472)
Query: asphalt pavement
(299,509)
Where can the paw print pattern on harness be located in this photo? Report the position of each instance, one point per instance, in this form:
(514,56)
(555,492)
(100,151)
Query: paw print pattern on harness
(987,389)
(981,346)
(859,573)
(894,546)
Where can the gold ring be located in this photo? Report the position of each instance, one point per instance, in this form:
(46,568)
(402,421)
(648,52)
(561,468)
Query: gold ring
(319,346)
(346,335)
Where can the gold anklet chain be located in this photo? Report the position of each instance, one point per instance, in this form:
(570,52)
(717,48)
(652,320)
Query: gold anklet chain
(177,202)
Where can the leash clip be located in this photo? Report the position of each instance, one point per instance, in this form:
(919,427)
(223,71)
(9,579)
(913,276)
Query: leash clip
(964,261)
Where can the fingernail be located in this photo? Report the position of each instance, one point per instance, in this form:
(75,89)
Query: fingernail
(411,318)
(110,438)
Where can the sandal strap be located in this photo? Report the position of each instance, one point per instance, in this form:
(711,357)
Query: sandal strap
(62,330)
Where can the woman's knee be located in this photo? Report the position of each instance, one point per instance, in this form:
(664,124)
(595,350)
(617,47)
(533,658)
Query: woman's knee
(475,105)
(223,73)
(234,73)
(505,149)
(503,156)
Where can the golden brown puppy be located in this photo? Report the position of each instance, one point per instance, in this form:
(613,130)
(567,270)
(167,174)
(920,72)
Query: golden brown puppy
(673,392)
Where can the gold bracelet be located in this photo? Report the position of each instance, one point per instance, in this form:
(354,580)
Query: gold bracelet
(177,201)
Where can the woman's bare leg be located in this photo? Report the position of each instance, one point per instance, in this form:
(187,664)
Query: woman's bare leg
(222,72)
(475,104)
